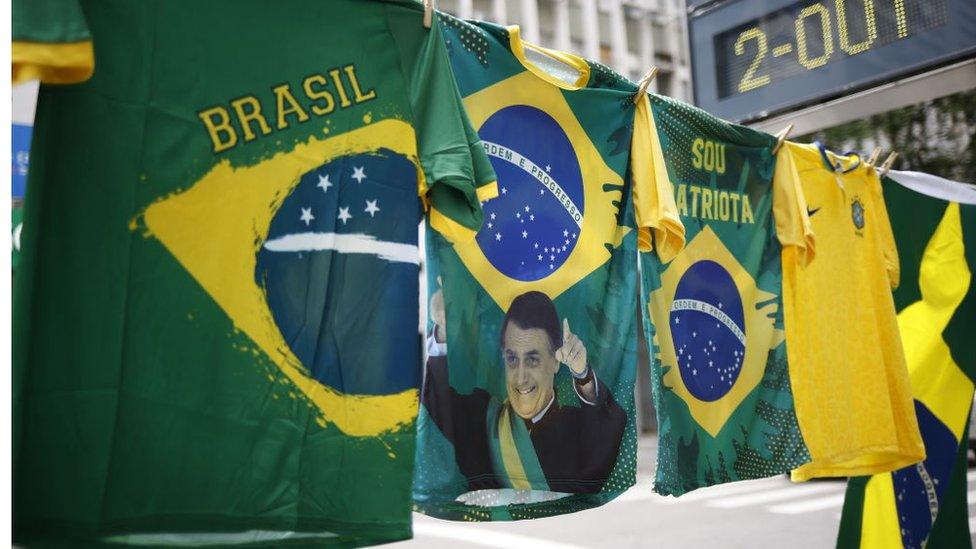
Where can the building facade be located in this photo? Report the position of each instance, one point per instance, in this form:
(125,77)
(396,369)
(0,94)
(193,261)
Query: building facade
(628,35)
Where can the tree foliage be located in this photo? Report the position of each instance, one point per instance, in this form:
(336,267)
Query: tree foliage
(936,137)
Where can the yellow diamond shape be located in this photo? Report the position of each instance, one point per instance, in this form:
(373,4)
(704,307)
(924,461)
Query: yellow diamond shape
(599,221)
(760,332)
(215,228)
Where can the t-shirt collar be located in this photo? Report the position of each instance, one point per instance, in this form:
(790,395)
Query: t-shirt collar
(518,46)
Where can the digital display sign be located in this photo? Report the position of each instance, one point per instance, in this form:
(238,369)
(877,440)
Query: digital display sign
(753,58)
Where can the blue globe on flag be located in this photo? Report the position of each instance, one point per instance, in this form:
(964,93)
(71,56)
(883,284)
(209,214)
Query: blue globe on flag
(339,269)
(708,330)
(918,487)
(531,228)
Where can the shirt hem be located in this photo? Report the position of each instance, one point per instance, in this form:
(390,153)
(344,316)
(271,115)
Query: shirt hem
(347,533)
(885,460)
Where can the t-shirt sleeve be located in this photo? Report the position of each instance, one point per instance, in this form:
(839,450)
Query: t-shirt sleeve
(457,175)
(51,42)
(487,184)
(658,225)
(886,238)
(793,227)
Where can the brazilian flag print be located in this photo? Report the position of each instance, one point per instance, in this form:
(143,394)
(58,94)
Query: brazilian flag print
(925,505)
(714,315)
(527,407)
(216,310)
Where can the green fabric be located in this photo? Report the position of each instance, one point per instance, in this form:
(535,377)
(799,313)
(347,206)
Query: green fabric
(493,426)
(914,220)
(450,151)
(849,535)
(16,221)
(959,333)
(48,21)
(149,398)
(593,289)
(700,444)
(523,446)
(911,237)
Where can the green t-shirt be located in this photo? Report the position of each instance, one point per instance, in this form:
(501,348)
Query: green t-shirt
(51,42)
(216,307)
(528,408)
(713,316)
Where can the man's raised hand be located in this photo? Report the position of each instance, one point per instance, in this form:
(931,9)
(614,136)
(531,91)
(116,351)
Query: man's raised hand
(437,313)
(572,353)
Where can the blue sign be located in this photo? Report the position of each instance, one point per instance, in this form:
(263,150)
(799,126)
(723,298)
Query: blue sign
(20,139)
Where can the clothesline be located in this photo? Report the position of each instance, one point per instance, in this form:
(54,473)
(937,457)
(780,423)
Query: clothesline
(935,186)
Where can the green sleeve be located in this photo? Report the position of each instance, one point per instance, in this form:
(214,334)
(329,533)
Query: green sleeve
(51,42)
(485,179)
(457,173)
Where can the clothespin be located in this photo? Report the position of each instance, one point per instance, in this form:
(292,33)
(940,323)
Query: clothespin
(644,83)
(781,137)
(887,164)
(874,156)
(428,13)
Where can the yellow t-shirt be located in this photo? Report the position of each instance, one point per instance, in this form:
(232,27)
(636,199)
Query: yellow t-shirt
(847,367)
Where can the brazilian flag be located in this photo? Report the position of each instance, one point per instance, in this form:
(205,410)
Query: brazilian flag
(215,315)
(713,316)
(924,505)
(516,426)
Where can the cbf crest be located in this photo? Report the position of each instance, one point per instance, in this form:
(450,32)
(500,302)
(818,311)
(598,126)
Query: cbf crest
(857,214)
(555,217)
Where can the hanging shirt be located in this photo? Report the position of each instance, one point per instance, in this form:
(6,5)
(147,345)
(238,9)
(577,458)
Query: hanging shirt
(850,382)
(924,504)
(527,408)
(714,316)
(216,327)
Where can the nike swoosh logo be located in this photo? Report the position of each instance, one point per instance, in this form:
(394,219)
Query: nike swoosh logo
(813,211)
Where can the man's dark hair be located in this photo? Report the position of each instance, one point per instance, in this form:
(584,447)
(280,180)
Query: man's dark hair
(534,310)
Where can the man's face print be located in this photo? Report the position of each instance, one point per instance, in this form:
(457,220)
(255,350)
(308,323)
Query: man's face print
(530,367)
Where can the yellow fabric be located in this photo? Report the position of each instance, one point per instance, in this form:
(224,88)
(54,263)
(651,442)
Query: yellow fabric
(599,223)
(879,522)
(52,63)
(944,278)
(793,226)
(450,229)
(888,246)
(487,191)
(214,232)
(937,381)
(847,368)
(510,456)
(518,49)
(657,216)
(442,223)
